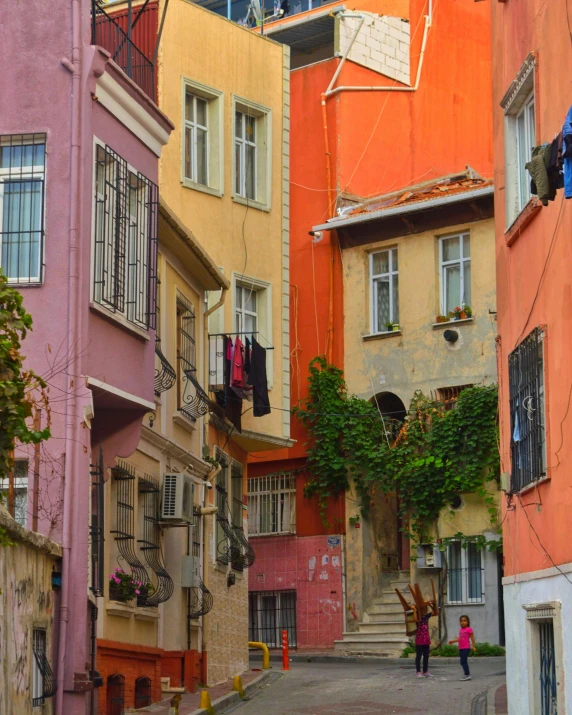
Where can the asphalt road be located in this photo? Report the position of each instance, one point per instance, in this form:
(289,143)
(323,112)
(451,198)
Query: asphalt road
(384,688)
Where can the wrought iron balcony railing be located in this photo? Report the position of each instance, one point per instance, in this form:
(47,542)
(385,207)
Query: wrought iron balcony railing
(108,33)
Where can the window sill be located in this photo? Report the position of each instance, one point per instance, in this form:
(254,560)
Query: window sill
(188,184)
(464,321)
(271,534)
(250,203)
(524,218)
(533,485)
(147,614)
(116,608)
(120,320)
(220,567)
(185,422)
(381,336)
(466,604)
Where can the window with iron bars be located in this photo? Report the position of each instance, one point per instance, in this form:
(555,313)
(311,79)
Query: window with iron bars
(527,417)
(269,613)
(465,574)
(449,396)
(43,680)
(272,504)
(125,242)
(22,210)
(192,400)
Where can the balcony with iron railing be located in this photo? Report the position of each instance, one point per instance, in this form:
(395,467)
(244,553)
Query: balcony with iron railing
(108,33)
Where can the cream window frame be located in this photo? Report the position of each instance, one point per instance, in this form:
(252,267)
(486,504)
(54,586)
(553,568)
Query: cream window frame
(263,141)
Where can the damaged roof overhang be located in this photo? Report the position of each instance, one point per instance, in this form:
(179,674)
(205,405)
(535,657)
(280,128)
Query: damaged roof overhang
(305,34)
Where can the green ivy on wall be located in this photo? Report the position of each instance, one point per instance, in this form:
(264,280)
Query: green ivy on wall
(20,389)
(426,461)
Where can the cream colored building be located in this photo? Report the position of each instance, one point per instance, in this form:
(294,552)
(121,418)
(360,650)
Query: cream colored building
(408,258)
(226,175)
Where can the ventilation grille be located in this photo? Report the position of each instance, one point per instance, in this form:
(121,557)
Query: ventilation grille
(170,496)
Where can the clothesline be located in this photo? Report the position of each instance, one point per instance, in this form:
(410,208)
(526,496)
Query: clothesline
(247,332)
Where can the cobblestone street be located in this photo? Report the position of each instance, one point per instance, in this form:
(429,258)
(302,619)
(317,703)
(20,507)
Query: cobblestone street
(375,689)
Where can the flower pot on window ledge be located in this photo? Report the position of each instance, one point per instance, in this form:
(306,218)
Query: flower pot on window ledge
(395,327)
(116,594)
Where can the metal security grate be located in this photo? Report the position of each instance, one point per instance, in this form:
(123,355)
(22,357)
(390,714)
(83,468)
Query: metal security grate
(192,399)
(142,692)
(43,681)
(465,574)
(526,382)
(271,612)
(115,695)
(272,504)
(22,210)
(125,256)
(548,684)
(200,599)
(96,527)
(165,375)
(125,529)
(151,543)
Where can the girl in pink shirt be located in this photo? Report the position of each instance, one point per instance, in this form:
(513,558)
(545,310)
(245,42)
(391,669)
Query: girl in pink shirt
(466,641)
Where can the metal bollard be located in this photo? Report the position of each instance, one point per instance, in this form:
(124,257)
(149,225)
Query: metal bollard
(285,659)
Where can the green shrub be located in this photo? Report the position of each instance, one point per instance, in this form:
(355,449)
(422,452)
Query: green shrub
(407,651)
(483,650)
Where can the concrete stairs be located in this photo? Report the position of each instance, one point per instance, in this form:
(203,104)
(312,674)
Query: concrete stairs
(168,689)
(382,630)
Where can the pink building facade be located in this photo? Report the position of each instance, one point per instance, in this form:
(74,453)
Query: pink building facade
(79,149)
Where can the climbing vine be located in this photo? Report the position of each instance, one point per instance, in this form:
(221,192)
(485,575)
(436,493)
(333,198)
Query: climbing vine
(433,456)
(20,389)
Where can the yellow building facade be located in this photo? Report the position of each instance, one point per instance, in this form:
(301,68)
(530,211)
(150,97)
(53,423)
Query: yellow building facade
(405,267)
(226,175)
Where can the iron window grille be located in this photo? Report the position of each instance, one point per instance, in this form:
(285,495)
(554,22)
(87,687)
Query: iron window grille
(22,206)
(465,574)
(142,692)
(125,252)
(96,526)
(228,547)
(107,33)
(246,556)
(20,474)
(43,681)
(193,400)
(448,396)
(165,375)
(125,516)
(200,599)
(150,545)
(526,385)
(548,682)
(272,504)
(115,695)
(384,277)
(269,613)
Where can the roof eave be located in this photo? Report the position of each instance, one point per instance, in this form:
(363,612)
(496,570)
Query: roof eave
(335,223)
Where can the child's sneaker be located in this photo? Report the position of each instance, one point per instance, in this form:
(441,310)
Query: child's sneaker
(427,675)
(419,675)
(466,677)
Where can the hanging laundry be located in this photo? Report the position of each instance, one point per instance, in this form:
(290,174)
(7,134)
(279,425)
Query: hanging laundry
(232,402)
(537,168)
(258,379)
(567,154)
(555,165)
(237,375)
(247,353)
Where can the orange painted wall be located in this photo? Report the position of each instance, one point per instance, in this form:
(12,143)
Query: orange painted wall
(519,28)
(379,142)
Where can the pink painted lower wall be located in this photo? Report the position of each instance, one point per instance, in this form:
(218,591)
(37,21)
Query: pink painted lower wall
(312,566)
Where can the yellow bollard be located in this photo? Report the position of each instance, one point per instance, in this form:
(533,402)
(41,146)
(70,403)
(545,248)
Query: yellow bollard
(265,654)
(237,685)
(206,702)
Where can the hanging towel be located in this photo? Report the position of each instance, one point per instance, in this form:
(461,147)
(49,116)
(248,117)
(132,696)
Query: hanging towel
(257,378)
(232,402)
(567,154)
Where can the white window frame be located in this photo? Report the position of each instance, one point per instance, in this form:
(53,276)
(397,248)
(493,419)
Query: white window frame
(20,488)
(530,138)
(264,308)
(375,279)
(31,173)
(263,163)
(215,137)
(461,261)
(242,143)
(465,599)
(194,127)
(269,486)
(518,98)
(241,312)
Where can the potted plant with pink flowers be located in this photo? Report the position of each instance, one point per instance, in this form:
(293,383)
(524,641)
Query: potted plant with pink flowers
(123,586)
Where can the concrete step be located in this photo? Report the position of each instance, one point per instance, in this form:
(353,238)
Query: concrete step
(396,618)
(388,627)
(385,648)
(376,637)
(167,688)
(385,609)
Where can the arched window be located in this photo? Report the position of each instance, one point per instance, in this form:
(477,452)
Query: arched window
(392,409)
(142,692)
(115,695)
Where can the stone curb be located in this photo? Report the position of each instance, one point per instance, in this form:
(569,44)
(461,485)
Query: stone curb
(222,705)
(325,658)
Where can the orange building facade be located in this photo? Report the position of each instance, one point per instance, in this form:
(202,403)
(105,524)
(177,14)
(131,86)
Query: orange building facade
(531,98)
(368,116)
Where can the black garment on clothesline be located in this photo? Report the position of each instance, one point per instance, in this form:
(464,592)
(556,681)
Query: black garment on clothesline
(258,379)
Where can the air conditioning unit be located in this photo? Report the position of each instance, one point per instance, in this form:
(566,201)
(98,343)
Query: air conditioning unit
(177,506)
(190,572)
(428,556)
